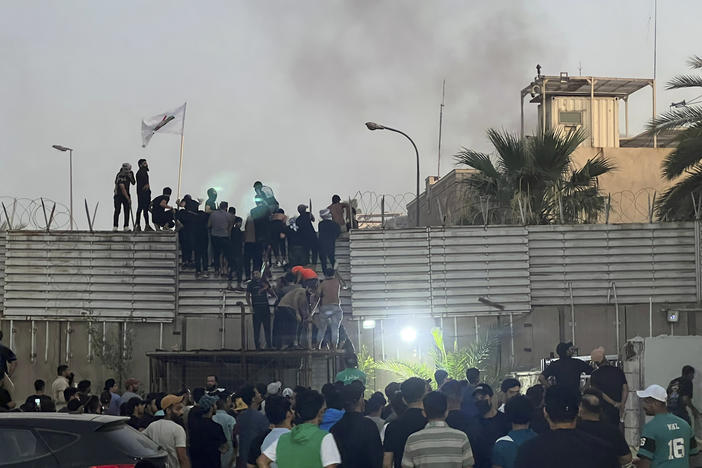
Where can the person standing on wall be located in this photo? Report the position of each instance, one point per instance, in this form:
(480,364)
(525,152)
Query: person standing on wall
(220,224)
(143,190)
(328,232)
(124,178)
(257,292)
(236,239)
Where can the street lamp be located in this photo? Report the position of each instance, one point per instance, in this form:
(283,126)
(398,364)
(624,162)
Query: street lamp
(374,126)
(70,176)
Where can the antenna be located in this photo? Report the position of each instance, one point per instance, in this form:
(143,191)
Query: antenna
(655,37)
(441,120)
(580,68)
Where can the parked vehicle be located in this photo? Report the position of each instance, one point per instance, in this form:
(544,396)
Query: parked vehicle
(57,440)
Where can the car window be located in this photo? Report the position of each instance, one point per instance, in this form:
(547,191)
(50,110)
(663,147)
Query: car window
(20,445)
(130,441)
(57,440)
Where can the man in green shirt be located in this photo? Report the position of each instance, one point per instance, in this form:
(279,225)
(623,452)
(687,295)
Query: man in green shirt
(306,445)
(667,440)
(352,372)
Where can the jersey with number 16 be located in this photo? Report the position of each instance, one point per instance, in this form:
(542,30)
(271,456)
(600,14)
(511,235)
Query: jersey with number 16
(667,441)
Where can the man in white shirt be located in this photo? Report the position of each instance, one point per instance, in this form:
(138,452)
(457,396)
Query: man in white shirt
(60,384)
(169,434)
(306,444)
(279,412)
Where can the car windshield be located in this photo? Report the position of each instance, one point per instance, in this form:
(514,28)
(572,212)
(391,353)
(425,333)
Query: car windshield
(131,442)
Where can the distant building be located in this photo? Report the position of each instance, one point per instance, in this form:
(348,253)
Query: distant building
(571,103)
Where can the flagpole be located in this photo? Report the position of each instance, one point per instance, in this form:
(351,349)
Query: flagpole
(180,165)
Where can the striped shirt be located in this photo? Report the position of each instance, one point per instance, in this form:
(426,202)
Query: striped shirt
(437,445)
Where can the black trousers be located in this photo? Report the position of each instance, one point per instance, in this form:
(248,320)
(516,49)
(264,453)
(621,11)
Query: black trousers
(284,327)
(262,317)
(121,202)
(143,207)
(253,257)
(327,255)
(201,255)
(220,246)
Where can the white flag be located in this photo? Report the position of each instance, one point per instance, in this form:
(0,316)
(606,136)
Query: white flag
(168,122)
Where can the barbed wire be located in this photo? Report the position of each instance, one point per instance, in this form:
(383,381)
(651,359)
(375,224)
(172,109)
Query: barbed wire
(27,213)
(369,202)
(628,206)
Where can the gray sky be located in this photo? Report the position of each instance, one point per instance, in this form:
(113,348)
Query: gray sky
(279,90)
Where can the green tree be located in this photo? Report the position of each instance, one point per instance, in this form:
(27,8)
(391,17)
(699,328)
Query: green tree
(479,354)
(684,164)
(534,180)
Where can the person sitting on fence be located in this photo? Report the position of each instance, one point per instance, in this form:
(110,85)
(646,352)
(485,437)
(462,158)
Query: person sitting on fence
(161,211)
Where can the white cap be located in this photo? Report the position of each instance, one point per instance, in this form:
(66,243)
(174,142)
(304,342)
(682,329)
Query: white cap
(273,388)
(654,391)
(287,392)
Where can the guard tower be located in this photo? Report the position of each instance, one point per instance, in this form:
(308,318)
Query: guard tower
(587,102)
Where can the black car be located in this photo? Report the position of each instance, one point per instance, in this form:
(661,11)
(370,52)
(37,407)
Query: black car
(58,440)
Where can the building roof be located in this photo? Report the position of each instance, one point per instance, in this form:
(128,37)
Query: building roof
(665,139)
(580,86)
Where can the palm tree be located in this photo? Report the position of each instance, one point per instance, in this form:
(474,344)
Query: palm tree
(480,354)
(535,180)
(681,200)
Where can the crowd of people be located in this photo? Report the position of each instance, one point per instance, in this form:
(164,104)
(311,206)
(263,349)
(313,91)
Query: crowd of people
(416,423)
(214,236)
(296,309)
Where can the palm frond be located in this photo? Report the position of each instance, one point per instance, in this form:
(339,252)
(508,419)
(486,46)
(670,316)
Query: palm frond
(684,81)
(510,149)
(593,168)
(675,118)
(676,204)
(687,154)
(478,161)
(695,61)
(406,369)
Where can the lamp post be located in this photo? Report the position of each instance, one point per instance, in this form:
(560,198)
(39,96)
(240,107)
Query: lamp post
(70,176)
(374,126)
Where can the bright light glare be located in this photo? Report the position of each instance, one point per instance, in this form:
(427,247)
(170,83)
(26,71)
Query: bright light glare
(368,324)
(408,334)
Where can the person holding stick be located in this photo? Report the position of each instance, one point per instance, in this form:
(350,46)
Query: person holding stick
(124,178)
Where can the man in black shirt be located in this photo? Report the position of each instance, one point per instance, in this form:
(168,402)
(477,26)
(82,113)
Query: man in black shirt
(609,380)
(566,370)
(161,212)
(236,244)
(143,190)
(261,218)
(492,425)
(257,298)
(590,422)
(564,445)
(680,394)
(308,235)
(356,436)
(411,421)
(457,419)
(207,439)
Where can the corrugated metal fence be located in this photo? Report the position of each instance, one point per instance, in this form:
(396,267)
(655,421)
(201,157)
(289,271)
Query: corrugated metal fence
(445,270)
(80,274)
